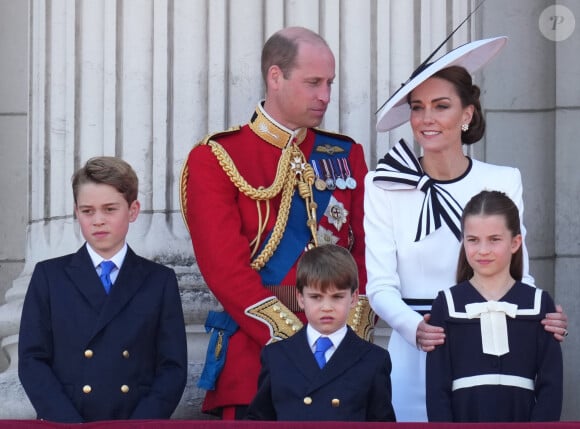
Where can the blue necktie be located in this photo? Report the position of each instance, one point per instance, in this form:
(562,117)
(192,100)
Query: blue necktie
(106,268)
(322,345)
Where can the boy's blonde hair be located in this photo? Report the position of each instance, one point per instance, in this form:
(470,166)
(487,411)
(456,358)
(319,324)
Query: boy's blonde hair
(108,170)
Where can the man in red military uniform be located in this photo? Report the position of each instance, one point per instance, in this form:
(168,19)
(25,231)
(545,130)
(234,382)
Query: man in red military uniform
(256,197)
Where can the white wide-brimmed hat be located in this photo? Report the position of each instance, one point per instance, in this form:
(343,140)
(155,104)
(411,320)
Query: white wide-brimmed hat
(472,56)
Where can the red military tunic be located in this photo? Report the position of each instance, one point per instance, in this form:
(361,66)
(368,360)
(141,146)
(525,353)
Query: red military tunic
(224,219)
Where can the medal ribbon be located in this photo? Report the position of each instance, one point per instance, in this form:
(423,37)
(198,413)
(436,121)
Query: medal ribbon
(297,235)
(315,167)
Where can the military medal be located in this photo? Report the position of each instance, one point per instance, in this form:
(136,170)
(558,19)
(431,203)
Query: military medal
(325,236)
(350,181)
(318,182)
(330,185)
(340,182)
(336,213)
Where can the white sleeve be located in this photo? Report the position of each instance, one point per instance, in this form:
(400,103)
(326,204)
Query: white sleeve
(515,192)
(383,283)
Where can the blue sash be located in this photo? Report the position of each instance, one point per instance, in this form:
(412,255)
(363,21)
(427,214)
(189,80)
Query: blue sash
(222,327)
(297,235)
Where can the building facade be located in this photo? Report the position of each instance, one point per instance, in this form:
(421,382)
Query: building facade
(147,79)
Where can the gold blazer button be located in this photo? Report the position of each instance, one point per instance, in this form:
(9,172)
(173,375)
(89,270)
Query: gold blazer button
(335,402)
(87,389)
(125,388)
(307,400)
(88,353)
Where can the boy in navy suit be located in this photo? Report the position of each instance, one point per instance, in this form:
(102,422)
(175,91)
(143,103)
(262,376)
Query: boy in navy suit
(104,348)
(347,379)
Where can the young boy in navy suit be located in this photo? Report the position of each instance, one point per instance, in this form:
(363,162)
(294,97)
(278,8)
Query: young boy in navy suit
(346,380)
(103,349)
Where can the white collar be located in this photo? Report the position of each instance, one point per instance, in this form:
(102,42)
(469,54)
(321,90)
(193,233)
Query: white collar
(336,337)
(117,258)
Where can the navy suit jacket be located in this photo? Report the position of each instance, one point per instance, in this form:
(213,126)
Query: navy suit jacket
(85,355)
(354,385)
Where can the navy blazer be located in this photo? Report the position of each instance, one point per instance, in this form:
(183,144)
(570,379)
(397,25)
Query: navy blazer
(354,385)
(85,355)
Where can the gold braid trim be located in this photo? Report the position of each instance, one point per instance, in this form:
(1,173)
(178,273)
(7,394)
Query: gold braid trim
(279,227)
(292,170)
(225,161)
(184,176)
(281,321)
(361,318)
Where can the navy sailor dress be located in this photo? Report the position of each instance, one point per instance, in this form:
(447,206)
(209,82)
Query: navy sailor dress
(523,382)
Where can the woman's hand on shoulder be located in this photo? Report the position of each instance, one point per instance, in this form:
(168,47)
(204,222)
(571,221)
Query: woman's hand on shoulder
(429,336)
(557,323)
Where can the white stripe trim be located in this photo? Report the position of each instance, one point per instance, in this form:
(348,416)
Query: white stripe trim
(420,307)
(537,303)
(493,379)
(521,312)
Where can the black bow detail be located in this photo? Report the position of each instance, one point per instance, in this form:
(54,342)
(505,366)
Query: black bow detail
(400,170)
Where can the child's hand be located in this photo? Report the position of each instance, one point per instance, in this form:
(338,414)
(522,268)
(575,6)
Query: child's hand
(557,323)
(429,336)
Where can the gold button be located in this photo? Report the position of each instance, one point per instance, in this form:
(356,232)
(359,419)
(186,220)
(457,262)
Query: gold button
(335,402)
(87,389)
(307,400)
(126,354)
(88,353)
(124,388)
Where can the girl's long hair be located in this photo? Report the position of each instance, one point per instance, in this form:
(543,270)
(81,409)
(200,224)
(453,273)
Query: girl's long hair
(488,203)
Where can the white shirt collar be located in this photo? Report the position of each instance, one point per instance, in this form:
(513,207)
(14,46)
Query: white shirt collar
(118,258)
(336,337)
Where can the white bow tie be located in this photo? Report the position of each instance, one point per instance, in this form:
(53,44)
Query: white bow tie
(494,338)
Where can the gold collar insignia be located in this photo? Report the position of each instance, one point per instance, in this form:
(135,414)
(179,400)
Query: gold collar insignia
(273,132)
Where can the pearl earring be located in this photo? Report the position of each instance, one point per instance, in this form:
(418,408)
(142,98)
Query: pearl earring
(464,127)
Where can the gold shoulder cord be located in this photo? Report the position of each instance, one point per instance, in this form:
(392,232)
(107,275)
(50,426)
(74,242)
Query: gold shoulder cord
(293,171)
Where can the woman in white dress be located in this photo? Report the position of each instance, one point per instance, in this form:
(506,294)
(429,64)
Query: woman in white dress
(413,209)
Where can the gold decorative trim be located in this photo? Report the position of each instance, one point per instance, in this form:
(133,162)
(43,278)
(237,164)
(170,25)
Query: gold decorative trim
(328,149)
(279,319)
(361,318)
(274,133)
(184,175)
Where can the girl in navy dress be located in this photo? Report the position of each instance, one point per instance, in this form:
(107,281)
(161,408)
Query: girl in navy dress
(497,362)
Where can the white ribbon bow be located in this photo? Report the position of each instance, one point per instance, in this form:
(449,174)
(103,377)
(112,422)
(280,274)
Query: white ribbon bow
(399,170)
(494,338)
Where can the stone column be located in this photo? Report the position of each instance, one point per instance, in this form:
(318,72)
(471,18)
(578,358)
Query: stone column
(102,82)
